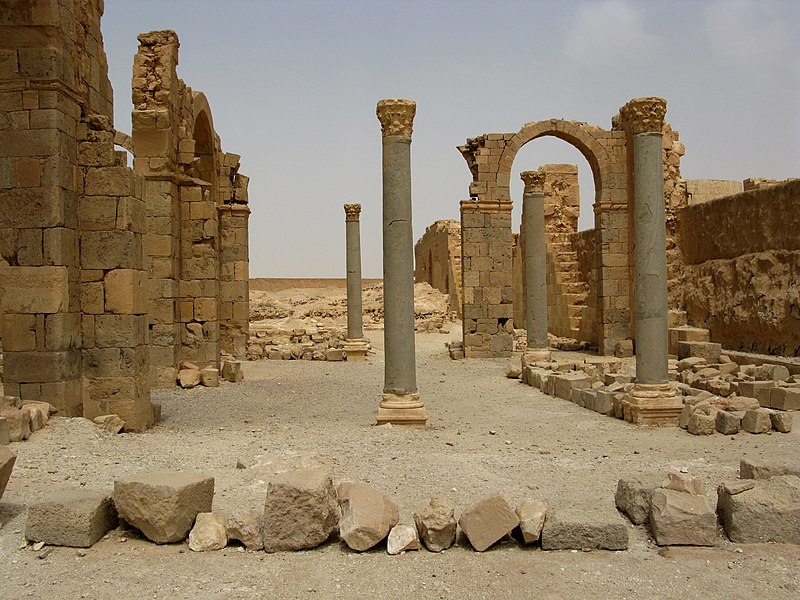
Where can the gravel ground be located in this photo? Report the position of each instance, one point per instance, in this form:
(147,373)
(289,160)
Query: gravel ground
(486,433)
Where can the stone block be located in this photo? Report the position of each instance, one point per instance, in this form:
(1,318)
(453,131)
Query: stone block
(578,528)
(188,378)
(634,495)
(208,533)
(767,513)
(335,354)
(750,468)
(367,516)
(232,371)
(701,424)
(7,460)
(34,290)
(209,377)
(682,519)
(710,351)
(436,525)
(531,517)
(488,521)
(300,510)
(401,539)
(757,421)
(126,292)
(750,388)
(563,384)
(163,504)
(71,517)
(110,423)
(115,249)
(5,438)
(781,421)
(19,424)
(727,423)
(686,334)
(783,398)
(244,525)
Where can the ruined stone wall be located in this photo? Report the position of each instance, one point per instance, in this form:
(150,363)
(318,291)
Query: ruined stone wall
(699,191)
(584,244)
(437,260)
(71,229)
(197,213)
(741,282)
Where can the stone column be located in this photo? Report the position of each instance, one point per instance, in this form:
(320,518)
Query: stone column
(400,403)
(653,401)
(355,346)
(535,268)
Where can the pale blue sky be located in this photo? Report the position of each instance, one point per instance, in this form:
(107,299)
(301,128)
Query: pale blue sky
(293,86)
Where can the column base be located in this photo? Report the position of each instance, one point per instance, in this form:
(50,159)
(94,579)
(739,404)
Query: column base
(653,405)
(534,355)
(355,349)
(402,409)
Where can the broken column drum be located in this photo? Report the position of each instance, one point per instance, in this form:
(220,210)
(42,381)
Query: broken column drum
(653,401)
(535,267)
(400,403)
(355,346)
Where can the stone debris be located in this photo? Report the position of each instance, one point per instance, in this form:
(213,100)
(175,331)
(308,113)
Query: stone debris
(367,516)
(531,517)
(488,521)
(737,486)
(783,398)
(513,370)
(576,528)
(209,377)
(209,533)
(110,423)
(436,525)
(767,512)
(5,434)
(19,424)
(232,371)
(727,423)
(682,519)
(188,378)
(244,525)
(163,504)
(634,495)
(756,421)
(750,468)
(7,460)
(401,539)
(300,510)
(781,421)
(681,482)
(74,517)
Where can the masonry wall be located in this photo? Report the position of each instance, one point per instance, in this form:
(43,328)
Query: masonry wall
(437,260)
(699,191)
(742,268)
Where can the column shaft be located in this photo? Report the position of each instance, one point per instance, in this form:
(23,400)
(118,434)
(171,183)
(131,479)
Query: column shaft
(355,327)
(535,269)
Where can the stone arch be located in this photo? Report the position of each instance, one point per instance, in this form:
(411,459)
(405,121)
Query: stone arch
(580,135)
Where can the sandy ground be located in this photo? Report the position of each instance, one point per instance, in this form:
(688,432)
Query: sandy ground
(293,413)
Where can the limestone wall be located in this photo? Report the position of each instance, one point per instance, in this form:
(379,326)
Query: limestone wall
(437,260)
(699,191)
(742,268)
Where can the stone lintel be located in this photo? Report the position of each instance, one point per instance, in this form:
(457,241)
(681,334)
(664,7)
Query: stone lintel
(652,405)
(402,409)
(486,206)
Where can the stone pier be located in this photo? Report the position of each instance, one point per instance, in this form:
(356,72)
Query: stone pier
(355,346)
(535,268)
(400,403)
(653,401)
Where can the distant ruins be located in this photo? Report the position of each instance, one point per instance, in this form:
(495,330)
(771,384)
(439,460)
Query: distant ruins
(111,276)
(732,252)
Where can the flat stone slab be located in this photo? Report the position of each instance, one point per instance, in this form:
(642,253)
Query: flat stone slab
(769,512)
(682,519)
(578,528)
(73,517)
(300,510)
(163,504)
(488,521)
(7,460)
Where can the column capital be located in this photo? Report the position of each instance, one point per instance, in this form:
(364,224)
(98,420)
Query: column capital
(534,181)
(396,116)
(352,212)
(644,115)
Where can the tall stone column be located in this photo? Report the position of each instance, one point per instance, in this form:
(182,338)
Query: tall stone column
(535,268)
(355,346)
(653,401)
(401,403)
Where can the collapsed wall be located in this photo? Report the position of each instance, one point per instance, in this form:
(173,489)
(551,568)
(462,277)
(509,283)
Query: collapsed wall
(741,277)
(437,260)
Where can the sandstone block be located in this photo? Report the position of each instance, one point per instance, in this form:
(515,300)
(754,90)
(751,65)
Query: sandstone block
(727,423)
(126,291)
(188,378)
(110,423)
(19,424)
(736,486)
(5,438)
(401,539)
(488,521)
(531,517)
(754,469)
(334,354)
(633,496)
(436,524)
(163,504)
(680,482)
(33,290)
(577,529)
(681,519)
(244,525)
(300,510)
(209,377)
(783,398)
(7,460)
(757,421)
(781,421)
(513,370)
(232,371)
(749,388)
(710,351)
(208,533)
(71,517)
(769,512)
(701,424)
(367,516)
(742,403)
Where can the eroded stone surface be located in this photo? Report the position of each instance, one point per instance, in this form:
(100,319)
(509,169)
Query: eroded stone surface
(74,517)
(768,512)
(682,519)
(436,524)
(578,528)
(367,516)
(531,517)
(208,533)
(7,460)
(488,521)
(244,525)
(401,539)
(634,494)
